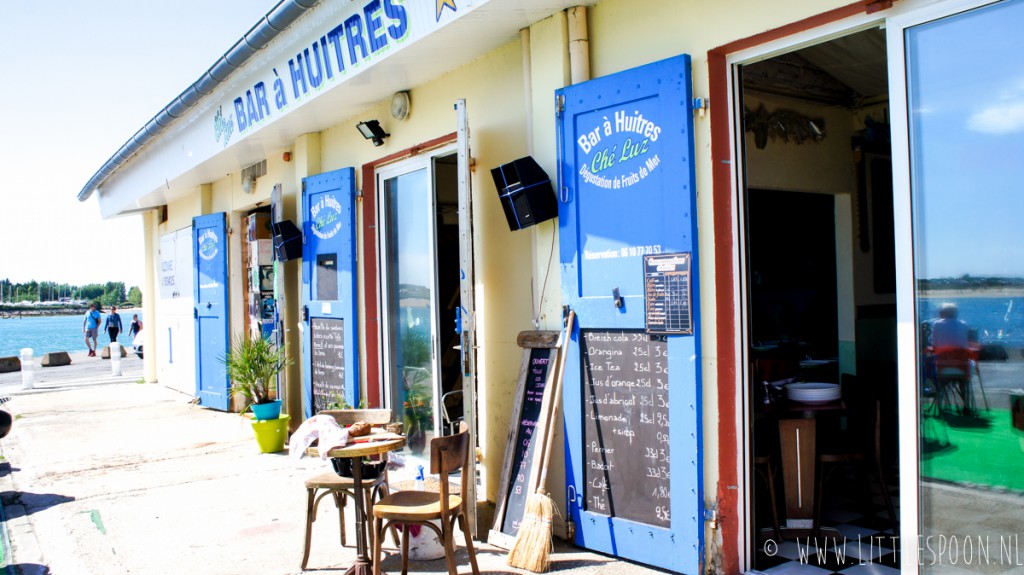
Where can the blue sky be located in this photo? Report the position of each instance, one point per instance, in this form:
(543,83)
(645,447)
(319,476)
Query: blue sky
(80,79)
(967,88)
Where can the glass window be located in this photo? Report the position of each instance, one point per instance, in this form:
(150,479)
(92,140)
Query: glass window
(966,111)
(410,272)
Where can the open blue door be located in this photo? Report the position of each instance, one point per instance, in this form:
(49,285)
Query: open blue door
(210,254)
(627,232)
(330,351)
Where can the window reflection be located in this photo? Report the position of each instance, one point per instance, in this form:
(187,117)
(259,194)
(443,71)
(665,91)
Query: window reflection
(410,272)
(966,96)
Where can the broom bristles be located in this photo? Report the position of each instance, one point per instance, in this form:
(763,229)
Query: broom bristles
(532,548)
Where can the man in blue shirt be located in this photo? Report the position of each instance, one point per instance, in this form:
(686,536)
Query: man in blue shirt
(91,328)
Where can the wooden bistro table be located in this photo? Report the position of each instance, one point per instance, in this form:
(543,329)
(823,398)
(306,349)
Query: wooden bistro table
(797,435)
(374,444)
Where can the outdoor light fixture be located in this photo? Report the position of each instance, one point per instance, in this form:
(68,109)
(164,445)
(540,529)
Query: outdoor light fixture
(371,130)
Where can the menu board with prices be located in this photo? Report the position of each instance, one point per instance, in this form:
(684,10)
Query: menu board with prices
(328,361)
(525,446)
(626,425)
(667,293)
(531,407)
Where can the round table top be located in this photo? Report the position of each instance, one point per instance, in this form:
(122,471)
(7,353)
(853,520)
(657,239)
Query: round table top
(361,449)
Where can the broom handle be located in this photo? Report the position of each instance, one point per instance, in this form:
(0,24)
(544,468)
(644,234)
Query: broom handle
(549,440)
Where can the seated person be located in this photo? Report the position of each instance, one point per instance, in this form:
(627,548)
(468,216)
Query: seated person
(949,331)
(952,349)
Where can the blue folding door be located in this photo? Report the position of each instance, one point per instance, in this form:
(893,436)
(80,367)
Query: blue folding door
(210,258)
(330,351)
(631,394)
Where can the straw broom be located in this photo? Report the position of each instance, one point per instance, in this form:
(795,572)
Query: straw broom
(532,547)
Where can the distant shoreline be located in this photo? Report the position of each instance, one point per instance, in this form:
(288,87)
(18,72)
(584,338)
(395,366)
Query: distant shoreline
(20,313)
(973,292)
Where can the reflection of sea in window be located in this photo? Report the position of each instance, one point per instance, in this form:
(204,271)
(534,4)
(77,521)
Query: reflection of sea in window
(409,271)
(969,257)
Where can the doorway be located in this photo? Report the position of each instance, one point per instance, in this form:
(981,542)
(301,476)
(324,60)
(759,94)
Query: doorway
(819,301)
(420,294)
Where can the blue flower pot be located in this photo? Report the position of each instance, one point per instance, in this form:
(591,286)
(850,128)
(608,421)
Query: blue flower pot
(264,411)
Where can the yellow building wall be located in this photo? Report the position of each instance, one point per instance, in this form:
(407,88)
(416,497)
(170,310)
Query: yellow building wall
(511,266)
(493,90)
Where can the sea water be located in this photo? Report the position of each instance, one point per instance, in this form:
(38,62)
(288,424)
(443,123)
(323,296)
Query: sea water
(54,333)
(999,320)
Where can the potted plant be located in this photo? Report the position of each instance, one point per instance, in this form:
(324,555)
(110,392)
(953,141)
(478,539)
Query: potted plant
(418,412)
(253,363)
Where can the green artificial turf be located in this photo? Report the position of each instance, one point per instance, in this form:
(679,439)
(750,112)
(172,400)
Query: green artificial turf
(980,450)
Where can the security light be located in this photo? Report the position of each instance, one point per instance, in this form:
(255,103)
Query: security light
(372,131)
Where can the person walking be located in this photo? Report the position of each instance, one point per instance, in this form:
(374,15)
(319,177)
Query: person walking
(135,327)
(90,328)
(112,325)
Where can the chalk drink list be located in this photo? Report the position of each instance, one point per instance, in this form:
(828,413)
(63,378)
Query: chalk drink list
(626,426)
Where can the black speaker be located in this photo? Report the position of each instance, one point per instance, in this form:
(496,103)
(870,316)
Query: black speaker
(287,241)
(525,192)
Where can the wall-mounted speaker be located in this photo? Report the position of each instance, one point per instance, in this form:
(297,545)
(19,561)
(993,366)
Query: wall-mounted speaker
(287,241)
(525,192)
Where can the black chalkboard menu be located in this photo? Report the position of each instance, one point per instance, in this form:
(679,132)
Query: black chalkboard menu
(626,425)
(530,407)
(522,458)
(328,361)
(667,293)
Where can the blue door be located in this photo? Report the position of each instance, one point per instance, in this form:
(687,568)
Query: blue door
(629,271)
(330,351)
(210,254)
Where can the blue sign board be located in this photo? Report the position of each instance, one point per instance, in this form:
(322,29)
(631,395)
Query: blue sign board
(632,394)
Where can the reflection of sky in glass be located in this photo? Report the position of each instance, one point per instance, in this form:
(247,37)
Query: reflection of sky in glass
(409,194)
(966,91)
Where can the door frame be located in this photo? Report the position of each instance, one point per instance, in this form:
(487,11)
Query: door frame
(373,342)
(395,169)
(735,475)
(906,293)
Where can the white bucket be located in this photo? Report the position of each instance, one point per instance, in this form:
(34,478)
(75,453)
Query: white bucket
(28,367)
(425,545)
(115,358)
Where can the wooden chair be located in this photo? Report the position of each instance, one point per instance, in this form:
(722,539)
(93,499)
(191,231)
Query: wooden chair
(953,370)
(447,454)
(766,470)
(869,457)
(341,488)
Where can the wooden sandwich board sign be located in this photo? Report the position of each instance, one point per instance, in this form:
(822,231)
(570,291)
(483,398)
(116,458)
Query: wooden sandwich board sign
(526,433)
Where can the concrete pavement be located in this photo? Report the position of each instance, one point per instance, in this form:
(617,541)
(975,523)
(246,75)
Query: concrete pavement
(107,475)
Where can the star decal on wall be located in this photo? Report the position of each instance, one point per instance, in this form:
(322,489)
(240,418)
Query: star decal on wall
(442,3)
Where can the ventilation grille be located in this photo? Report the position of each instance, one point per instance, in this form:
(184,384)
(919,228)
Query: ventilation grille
(254,171)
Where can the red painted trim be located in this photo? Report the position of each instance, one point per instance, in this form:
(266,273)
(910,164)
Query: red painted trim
(371,347)
(796,27)
(371,266)
(730,416)
(725,312)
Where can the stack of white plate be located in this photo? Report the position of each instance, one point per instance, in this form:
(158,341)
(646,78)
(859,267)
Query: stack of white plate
(812,392)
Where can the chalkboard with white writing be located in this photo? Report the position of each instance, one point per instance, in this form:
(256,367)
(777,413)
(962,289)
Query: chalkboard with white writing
(626,425)
(525,439)
(328,361)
